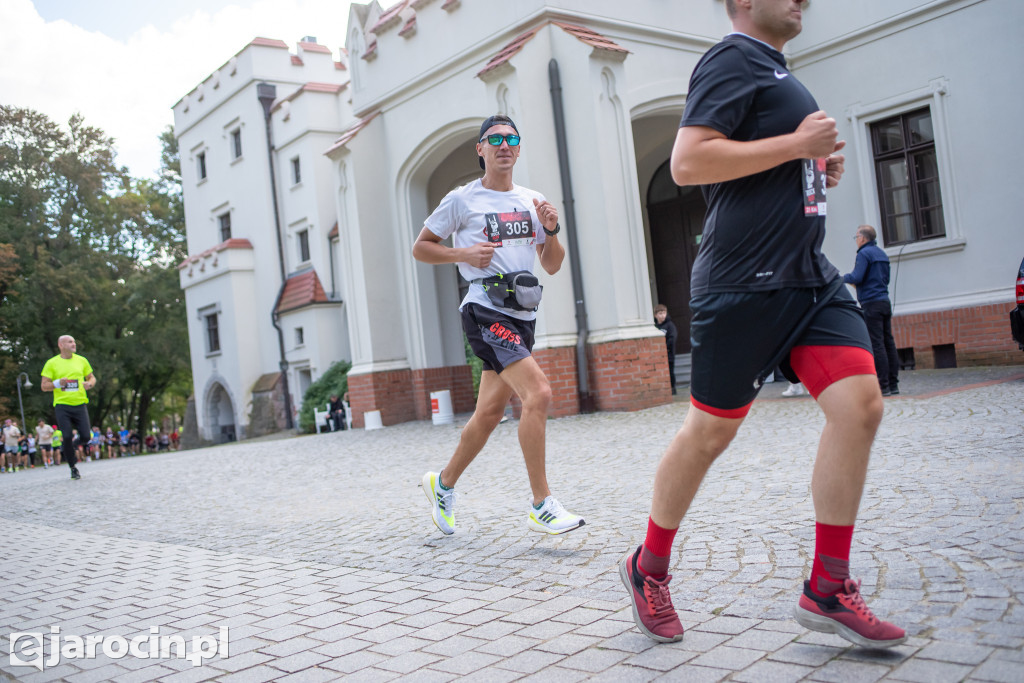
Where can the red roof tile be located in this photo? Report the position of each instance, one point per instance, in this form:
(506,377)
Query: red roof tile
(314,47)
(506,53)
(351,132)
(333,233)
(296,60)
(390,15)
(301,290)
(268,42)
(590,37)
(233,243)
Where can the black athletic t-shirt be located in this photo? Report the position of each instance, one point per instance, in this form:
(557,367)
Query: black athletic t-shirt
(757,234)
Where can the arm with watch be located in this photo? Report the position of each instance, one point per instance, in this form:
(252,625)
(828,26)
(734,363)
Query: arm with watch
(551,253)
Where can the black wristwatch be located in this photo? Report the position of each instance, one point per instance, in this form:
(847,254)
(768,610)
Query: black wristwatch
(552,233)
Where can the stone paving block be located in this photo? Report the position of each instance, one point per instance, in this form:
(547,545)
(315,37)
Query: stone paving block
(192,675)
(725,657)
(930,671)
(661,658)
(805,654)
(761,639)
(998,670)
(847,671)
(695,674)
(299,661)
(257,674)
(149,673)
(766,671)
(401,645)
(290,646)
(593,660)
(103,673)
(314,675)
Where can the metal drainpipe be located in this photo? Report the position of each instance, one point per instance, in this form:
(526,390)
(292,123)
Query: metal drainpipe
(267,93)
(582,371)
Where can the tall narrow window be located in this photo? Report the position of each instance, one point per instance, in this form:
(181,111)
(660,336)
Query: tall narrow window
(303,237)
(225,226)
(296,171)
(908,178)
(236,143)
(300,337)
(201,165)
(212,334)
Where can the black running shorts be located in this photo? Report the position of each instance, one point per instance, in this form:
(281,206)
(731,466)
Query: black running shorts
(496,339)
(738,337)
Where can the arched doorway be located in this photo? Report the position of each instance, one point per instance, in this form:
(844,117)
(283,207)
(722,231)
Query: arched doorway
(676,220)
(220,415)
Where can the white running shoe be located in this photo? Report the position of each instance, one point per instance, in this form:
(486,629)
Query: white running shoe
(794,390)
(552,518)
(442,502)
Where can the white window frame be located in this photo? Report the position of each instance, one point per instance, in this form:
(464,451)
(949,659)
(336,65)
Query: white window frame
(296,169)
(202,314)
(861,118)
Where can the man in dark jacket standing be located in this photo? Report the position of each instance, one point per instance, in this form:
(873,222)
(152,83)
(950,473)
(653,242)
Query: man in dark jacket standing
(668,328)
(871,278)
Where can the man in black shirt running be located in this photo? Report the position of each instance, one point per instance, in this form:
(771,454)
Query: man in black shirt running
(763,295)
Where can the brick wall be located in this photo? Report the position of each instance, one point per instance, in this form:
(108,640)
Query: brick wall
(404,395)
(629,375)
(981,335)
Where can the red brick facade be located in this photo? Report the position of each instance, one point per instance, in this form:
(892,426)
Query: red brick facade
(629,375)
(404,395)
(980,334)
(624,375)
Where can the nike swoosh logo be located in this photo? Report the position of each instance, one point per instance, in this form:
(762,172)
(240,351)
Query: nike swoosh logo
(780,76)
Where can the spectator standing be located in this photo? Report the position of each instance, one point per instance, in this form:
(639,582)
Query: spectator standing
(871,278)
(668,328)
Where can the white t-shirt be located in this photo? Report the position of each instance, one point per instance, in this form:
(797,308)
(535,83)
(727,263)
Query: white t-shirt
(474,214)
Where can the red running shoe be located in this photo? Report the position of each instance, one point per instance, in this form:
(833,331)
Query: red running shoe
(846,615)
(652,605)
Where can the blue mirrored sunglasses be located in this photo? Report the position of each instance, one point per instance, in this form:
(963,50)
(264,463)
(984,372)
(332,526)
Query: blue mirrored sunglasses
(496,139)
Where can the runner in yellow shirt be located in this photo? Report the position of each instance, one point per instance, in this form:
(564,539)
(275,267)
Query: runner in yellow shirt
(69,376)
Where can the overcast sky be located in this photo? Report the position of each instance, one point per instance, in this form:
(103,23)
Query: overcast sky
(123,63)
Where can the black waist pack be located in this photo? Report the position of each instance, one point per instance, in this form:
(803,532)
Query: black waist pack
(519,291)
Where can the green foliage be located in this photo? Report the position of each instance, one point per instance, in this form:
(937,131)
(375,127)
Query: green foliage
(87,250)
(475,364)
(334,381)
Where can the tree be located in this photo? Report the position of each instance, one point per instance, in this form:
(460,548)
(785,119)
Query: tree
(89,252)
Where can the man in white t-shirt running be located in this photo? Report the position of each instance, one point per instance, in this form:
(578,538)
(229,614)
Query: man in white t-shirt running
(493,224)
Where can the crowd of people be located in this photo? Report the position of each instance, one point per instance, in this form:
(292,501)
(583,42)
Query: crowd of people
(23,451)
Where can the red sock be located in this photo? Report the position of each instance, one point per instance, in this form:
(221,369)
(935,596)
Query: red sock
(656,550)
(831,558)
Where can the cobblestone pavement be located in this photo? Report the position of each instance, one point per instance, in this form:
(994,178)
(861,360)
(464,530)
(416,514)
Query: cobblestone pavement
(319,556)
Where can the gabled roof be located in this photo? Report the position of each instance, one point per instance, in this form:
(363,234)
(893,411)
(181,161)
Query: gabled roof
(586,35)
(301,290)
(351,133)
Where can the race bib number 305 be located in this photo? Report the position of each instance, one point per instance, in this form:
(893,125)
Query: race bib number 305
(513,229)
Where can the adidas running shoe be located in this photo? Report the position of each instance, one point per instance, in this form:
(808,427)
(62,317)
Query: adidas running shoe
(552,518)
(652,605)
(442,502)
(846,615)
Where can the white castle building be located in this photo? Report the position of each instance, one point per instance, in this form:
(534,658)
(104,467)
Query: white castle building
(294,267)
